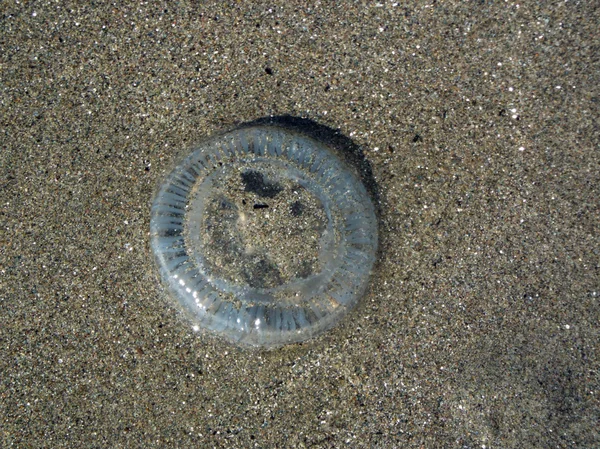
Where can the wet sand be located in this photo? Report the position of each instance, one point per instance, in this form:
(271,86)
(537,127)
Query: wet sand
(480,124)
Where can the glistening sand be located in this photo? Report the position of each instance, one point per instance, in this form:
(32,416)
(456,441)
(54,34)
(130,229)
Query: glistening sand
(481,124)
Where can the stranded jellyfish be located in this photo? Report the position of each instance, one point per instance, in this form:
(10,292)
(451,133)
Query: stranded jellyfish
(264,236)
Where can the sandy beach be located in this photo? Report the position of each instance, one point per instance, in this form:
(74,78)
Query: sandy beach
(479,123)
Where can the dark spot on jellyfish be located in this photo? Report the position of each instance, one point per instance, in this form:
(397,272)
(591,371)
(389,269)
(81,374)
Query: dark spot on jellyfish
(502,112)
(327,87)
(417,138)
(296,208)
(225,204)
(269,70)
(262,274)
(255,182)
(306,269)
(257,282)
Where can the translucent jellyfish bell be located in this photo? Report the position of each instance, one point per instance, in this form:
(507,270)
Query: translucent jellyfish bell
(264,236)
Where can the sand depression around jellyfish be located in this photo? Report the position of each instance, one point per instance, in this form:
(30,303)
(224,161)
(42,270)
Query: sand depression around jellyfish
(264,236)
